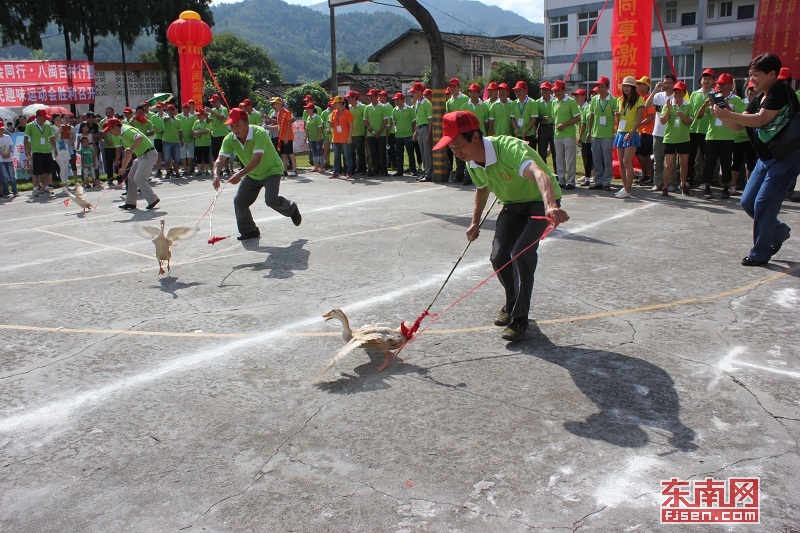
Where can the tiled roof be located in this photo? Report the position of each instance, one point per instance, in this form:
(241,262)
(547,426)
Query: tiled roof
(389,82)
(469,44)
(274,89)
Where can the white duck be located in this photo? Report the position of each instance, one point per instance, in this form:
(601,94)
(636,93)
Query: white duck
(373,336)
(164,241)
(80,197)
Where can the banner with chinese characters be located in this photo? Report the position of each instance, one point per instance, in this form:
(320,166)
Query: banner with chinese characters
(776,28)
(46,82)
(631,29)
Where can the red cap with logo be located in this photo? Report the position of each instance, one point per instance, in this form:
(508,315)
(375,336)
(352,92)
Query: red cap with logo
(372,92)
(236,115)
(492,86)
(579,92)
(186,105)
(709,72)
(214,98)
(42,113)
(559,84)
(785,74)
(474,87)
(247,101)
(454,123)
(603,80)
(352,94)
(159,104)
(546,86)
(505,86)
(309,106)
(680,86)
(418,86)
(308,98)
(725,78)
(398,96)
(383,93)
(110,123)
(454,81)
(521,85)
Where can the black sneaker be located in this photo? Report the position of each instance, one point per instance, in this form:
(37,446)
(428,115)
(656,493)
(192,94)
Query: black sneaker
(515,330)
(297,218)
(252,235)
(503,318)
(725,193)
(127,206)
(707,193)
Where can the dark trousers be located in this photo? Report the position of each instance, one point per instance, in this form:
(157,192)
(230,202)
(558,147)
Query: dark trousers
(377,154)
(418,152)
(547,140)
(722,150)
(247,194)
(216,144)
(461,167)
(109,154)
(697,141)
(408,144)
(514,231)
(586,155)
(359,154)
(392,151)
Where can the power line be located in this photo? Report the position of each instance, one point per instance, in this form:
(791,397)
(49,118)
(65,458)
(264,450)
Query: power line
(437,9)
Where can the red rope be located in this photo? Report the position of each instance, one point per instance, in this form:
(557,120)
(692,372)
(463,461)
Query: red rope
(412,332)
(586,41)
(214,79)
(664,36)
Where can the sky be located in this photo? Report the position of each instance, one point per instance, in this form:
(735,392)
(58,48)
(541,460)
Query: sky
(531,10)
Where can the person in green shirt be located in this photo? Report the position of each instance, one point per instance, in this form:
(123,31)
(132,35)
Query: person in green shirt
(201,133)
(314,134)
(423,132)
(602,131)
(217,114)
(111,149)
(253,117)
(523,114)
(88,157)
(328,135)
(40,145)
(263,168)
(477,106)
(527,190)
(404,117)
(388,110)
(377,123)
(135,144)
(677,119)
(546,130)
(697,100)
(173,139)
(566,116)
(500,112)
(358,146)
(157,119)
(188,119)
(309,99)
(456,102)
(584,136)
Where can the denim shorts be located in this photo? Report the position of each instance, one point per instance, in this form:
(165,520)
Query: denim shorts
(172,152)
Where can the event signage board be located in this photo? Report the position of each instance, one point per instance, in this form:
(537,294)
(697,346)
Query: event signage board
(46,82)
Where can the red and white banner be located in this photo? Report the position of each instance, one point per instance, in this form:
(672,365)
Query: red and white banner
(631,29)
(46,82)
(776,32)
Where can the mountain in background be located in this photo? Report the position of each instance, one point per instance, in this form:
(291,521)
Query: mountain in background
(298,38)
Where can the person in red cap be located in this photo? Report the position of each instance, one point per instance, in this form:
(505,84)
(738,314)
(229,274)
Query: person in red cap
(644,153)
(201,134)
(263,168)
(284,119)
(7,177)
(566,116)
(359,143)
(376,122)
(40,145)
(456,102)
(172,141)
(545,133)
(676,118)
(403,119)
(342,131)
(217,114)
(523,114)
(315,134)
(188,118)
(773,178)
(423,133)
(491,93)
(601,126)
(478,106)
(584,136)
(135,144)
(657,101)
(699,127)
(525,187)
(719,137)
(388,110)
(500,112)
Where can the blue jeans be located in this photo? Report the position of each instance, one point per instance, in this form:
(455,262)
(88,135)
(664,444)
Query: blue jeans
(316,152)
(8,178)
(338,150)
(762,199)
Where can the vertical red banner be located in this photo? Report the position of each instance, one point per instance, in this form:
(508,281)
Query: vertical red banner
(776,32)
(631,31)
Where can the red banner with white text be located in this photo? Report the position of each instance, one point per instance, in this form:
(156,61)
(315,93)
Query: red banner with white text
(776,32)
(631,30)
(46,82)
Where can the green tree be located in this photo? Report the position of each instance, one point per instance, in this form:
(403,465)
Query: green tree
(236,85)
(294,97)
(229,51)
(511,74)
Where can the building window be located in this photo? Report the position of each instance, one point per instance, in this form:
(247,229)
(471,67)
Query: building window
(684,67)
(477,66)
(711,12)
(688,19)
(558,27)
(585,23)
(521,63)
(725,9)
(671,13)
(746,12)
(588,72)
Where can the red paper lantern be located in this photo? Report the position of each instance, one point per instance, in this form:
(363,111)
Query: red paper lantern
(190,35)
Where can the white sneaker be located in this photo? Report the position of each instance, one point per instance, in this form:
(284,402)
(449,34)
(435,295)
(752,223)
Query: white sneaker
(655,188)
(622,193)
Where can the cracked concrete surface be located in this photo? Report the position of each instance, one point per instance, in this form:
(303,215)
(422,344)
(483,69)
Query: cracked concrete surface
(109,427)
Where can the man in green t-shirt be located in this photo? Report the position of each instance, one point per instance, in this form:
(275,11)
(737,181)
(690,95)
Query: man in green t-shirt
(40,145)
(314,134)
(699,128)
(135,143)
(201,133)
(217,115)
(358,146)
(500,112)
(263,168)
(546,129)
(527,190)
(565,117)
(188,119)
(377,123)
(456,102)
(423,132)
(404,117)
(157,119)
(602,130)
(111,149)
(173,139)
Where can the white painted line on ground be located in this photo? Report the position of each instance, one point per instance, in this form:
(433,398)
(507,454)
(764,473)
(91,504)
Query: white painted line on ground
(57,412)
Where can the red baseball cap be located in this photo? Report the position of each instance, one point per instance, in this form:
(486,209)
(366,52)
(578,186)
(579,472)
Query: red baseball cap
(709,72)
(169,106)
(521,85)
(236,115)
(559,84)
(785,74)
(372,92)
(492,86)
(398,96)
(310,105)
(751,85)
(454,81)
(603,80)
(352,94)
(42,113)
(214,98)
(427,92)
(447,90)
(159,104)
(454,123)
(474,87)
(418,86)
(200,112)
(383,93)
(144,103)
(580,92)
(129,110)
(186,105)
(725,78)
(546,85)
(505,86)
(680,86)
(247,101)
(308,97)
(595,90)
(110,123)
(2,125)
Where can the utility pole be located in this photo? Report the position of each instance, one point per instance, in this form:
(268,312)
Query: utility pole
(334,73)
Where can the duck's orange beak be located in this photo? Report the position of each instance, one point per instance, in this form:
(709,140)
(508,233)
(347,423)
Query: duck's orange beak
(327,316)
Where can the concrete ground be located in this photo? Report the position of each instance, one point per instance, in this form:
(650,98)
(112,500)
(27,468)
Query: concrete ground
(137,402)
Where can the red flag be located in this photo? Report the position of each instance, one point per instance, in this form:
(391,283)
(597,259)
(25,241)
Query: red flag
(66,202)
(631,31)
(214,240)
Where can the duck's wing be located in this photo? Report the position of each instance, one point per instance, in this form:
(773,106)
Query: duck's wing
(72,196)
(351,345)
(150,232)
(179,233)
(80,192)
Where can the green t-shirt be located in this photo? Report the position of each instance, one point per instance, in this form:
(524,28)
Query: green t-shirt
(696,101)
(187,125)
(358,119)
(218,126)
(564,111)
(112,141)
(388,111)
(375,117)
(305,112)
(676,131)
(628,116)
(313,123)
(204,139)
(503,176)
(717,131)
(603,111)
(158,126)
(403,120)
(546,110)
(257,142)
(584,123)
(424,110)
(522,113)
(456,103)
(172,125)
(144,127)
(87,157)
(255,118)
(326,120)
(128,137)
(480,110)
(500,115)
(39,137)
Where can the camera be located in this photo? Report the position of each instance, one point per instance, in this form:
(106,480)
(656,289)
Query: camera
(719,100)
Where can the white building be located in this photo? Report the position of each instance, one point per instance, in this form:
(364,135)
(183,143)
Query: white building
(701,34)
